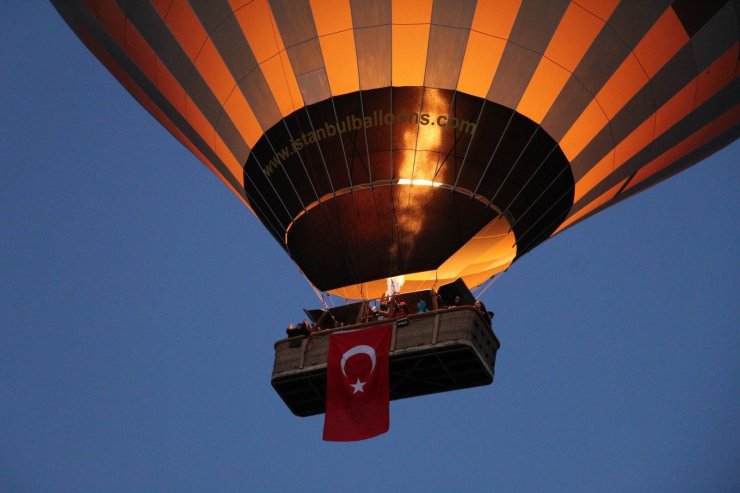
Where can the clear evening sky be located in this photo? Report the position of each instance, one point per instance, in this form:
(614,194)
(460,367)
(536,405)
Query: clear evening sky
(139,301)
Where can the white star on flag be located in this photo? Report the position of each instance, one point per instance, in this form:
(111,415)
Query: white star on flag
(358,386)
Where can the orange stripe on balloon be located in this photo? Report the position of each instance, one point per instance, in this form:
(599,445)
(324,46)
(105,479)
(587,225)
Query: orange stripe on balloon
(162,5)
(624,83)
(409,54)
(595,175)
(115,22)
(491,27)
(573,37)
(187,29)
(410,41)
(714,129)
(111,17)
(482,57)
(143,98)
(601,200)
(636,141)
(602,9)
(655,49)
(255,19)
(260,29)
(546,83)
(713,79)
(184,25)
(416,12)
(631,145)
(495,17)
(280,77)
(676,108)
(661,43)
(720,73)
(333,19)
(201,125)
(340,62)
(591,121)
(331,16)
(217,75)
(168,86)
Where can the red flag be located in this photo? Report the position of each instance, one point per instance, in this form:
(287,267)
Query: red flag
(357,385)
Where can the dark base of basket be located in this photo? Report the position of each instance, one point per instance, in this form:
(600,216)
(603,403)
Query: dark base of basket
(414,372)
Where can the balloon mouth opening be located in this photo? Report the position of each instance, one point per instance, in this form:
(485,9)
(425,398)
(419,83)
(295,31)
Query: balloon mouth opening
(409,259)
(491,251)
(385,183)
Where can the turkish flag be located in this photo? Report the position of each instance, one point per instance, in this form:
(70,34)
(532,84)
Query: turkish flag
(357,384)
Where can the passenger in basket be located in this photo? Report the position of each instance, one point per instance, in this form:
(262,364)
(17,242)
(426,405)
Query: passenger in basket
(483,311)
(421,306)
(384,303)
(403,309)
(388,307)
(290,331)
(392,311)
(300,329)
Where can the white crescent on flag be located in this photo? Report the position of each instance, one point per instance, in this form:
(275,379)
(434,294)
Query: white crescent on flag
(361,349)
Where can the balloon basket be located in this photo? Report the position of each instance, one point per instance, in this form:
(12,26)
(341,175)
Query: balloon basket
(431,352)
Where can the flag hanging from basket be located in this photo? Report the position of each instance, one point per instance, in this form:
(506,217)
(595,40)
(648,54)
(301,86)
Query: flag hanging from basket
(357,384)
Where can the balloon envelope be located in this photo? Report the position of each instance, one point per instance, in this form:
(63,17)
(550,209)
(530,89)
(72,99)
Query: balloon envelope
(429,139)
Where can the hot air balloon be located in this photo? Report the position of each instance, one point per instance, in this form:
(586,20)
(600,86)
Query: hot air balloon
(426,140)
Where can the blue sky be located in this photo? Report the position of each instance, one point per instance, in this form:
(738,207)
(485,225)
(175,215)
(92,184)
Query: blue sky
(139,301)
